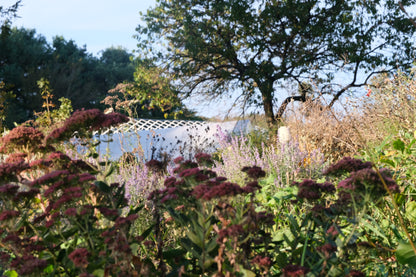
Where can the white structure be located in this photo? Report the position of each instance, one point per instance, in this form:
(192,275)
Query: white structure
(283,135)
(174,137)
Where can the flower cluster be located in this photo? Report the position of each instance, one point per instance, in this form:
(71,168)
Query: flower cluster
(156,166)
(327,249)
(210,190)
(28,265)
(79,257)
(295,271)
(21,139)
(9,172)
(262,261)
(86,120)
(55,195)
(230,232)
(254,172)
(311,190)
(203,183)
(204,159)
(361,180)
(347,165)
(368,180)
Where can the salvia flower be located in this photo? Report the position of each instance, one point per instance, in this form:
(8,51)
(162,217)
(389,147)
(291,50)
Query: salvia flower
(26,194)
(50,177)
(9,189)
(71,212)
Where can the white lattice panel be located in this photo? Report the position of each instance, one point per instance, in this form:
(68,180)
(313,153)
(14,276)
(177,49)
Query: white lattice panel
(135,125)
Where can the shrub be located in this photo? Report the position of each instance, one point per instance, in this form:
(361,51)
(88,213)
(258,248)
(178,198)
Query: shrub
(283,163)
(56,218)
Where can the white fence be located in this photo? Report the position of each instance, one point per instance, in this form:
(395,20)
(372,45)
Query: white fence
(151,138)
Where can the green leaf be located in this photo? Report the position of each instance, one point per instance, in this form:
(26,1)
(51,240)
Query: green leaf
(282,260)
(246,272)
(10,273)
(399,145)
(211,245)
(195,238)
(388,161)
(191,247)
(173,253)
(109,171)
(103,186)
(98,273)
(405,254)
(48,269)
(148,231)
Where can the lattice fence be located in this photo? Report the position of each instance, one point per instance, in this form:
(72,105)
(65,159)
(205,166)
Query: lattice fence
(135,125)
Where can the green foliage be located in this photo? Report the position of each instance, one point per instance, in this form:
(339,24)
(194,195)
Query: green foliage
(5,95)
(215,47)
(49,118)
(26,58)
(57,219)
(151,95)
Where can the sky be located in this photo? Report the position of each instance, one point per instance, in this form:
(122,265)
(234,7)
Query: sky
(97,24)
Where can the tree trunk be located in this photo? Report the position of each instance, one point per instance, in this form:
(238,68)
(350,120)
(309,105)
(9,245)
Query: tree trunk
(266,89)
(268,111)
(283,106)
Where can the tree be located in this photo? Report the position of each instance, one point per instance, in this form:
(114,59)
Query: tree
(257,46)
(73,73)
(8,12)
(117,65)
(24,57)
(150,95)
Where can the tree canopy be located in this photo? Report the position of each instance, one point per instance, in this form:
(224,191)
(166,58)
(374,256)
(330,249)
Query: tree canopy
(259,46)
(26,57)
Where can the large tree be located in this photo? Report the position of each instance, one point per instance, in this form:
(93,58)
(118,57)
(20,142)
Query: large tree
(256,46)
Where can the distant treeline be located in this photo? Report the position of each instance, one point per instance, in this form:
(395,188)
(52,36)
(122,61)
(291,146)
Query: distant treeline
(73,73)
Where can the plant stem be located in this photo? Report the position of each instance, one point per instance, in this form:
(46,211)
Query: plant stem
(305,246)
(396,208)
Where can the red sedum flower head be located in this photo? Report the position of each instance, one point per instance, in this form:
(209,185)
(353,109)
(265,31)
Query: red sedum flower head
(79,257)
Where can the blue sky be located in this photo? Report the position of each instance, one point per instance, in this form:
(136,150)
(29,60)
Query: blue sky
(98,24)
